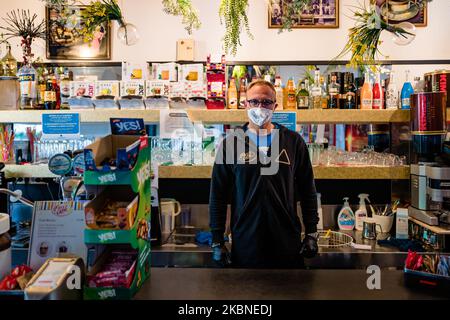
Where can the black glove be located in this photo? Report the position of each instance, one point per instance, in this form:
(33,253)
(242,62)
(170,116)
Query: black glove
(220,255)
(309,247)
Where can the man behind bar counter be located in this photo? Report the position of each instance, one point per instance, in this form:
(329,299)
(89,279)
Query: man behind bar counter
(265,227)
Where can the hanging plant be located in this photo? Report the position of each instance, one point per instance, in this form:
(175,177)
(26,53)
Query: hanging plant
(234,14)
(291,13)
(100,13)
(184,9)
(21,24)
(364,37)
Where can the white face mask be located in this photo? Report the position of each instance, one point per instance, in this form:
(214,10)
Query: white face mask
(259,116)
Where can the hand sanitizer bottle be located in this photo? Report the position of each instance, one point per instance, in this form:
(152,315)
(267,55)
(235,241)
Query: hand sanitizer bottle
(346,217)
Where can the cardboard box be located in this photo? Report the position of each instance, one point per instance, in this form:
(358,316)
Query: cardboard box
(135,71)
(107,89)
(124,149)
(192,73)
(157,88)
(128,275)
(185,50)
(132,88)
(85,89)
(9,91)
(167,71)
(112,210)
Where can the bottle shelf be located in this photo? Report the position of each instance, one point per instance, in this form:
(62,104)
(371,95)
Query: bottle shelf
(224,116)
(318,116)
(204,172)
(86,116)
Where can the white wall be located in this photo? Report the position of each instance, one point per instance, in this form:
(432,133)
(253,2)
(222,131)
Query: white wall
(159,33)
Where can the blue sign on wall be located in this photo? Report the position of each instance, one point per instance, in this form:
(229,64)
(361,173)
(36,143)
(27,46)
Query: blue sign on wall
(61,125)
(287,119)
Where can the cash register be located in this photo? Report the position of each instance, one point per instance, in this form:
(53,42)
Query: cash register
(430,174)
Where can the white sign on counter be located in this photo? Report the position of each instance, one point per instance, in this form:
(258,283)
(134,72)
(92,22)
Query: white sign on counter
(57,230)
(174,124)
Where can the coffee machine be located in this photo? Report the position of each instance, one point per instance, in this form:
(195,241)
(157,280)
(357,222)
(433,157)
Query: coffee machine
(430,174)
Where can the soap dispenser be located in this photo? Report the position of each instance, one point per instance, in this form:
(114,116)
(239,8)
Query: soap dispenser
(346,217)
(361,213)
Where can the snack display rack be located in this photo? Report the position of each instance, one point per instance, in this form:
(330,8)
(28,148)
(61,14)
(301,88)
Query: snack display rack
(216,84)
(132,154)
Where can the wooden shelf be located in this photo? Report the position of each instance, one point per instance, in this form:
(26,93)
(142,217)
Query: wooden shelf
(215,116)
(444,229)
(28,171)
(204,172)
(307,116)
(86,116)
(320,172)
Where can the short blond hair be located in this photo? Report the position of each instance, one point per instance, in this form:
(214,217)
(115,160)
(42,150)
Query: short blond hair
(262,83)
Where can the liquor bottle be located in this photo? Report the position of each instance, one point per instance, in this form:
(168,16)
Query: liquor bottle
(316,92)
(28,87)
(383,89)
(242,94)
(366,93)
(279,92)
(347,98)
(291,103)
(302,97)
(267,78)
(377,94)
(419,85)
(359,82)
(333,92)
(232,95)
(407,91)
(65,88)
(50,95)
(392,93)
(348,101)
(9,63)
(325,97)
(42,85)
(57,91)
(348,83)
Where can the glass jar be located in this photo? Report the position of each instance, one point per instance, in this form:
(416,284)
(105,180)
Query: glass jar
(9,63)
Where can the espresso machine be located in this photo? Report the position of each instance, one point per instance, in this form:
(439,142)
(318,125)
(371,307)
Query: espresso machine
(430,173)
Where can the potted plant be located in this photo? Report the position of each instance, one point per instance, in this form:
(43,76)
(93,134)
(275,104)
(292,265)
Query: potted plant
(364,37)
(102,12)
(21,24)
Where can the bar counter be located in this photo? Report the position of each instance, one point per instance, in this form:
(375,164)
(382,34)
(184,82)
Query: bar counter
(251,284)
(193,256)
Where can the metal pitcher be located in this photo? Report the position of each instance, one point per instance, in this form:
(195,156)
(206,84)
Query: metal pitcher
(370,229)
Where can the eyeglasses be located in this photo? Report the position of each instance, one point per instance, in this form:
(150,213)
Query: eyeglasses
(265,103)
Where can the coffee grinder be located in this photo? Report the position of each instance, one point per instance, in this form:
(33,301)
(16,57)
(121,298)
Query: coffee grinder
(430,171)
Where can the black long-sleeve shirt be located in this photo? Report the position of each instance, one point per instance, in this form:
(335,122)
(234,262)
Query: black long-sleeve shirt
(265,226)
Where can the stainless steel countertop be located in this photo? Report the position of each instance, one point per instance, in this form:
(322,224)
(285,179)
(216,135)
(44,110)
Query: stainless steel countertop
(330,258)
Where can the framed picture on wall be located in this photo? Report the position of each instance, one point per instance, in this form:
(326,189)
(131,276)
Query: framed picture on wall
(397,11)
(64,40)
(316,14)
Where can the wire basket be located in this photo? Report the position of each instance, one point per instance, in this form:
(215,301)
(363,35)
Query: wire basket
(333,239)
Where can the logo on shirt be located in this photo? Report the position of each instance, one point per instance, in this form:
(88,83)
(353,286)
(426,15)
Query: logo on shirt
(247,156)
(283,157)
